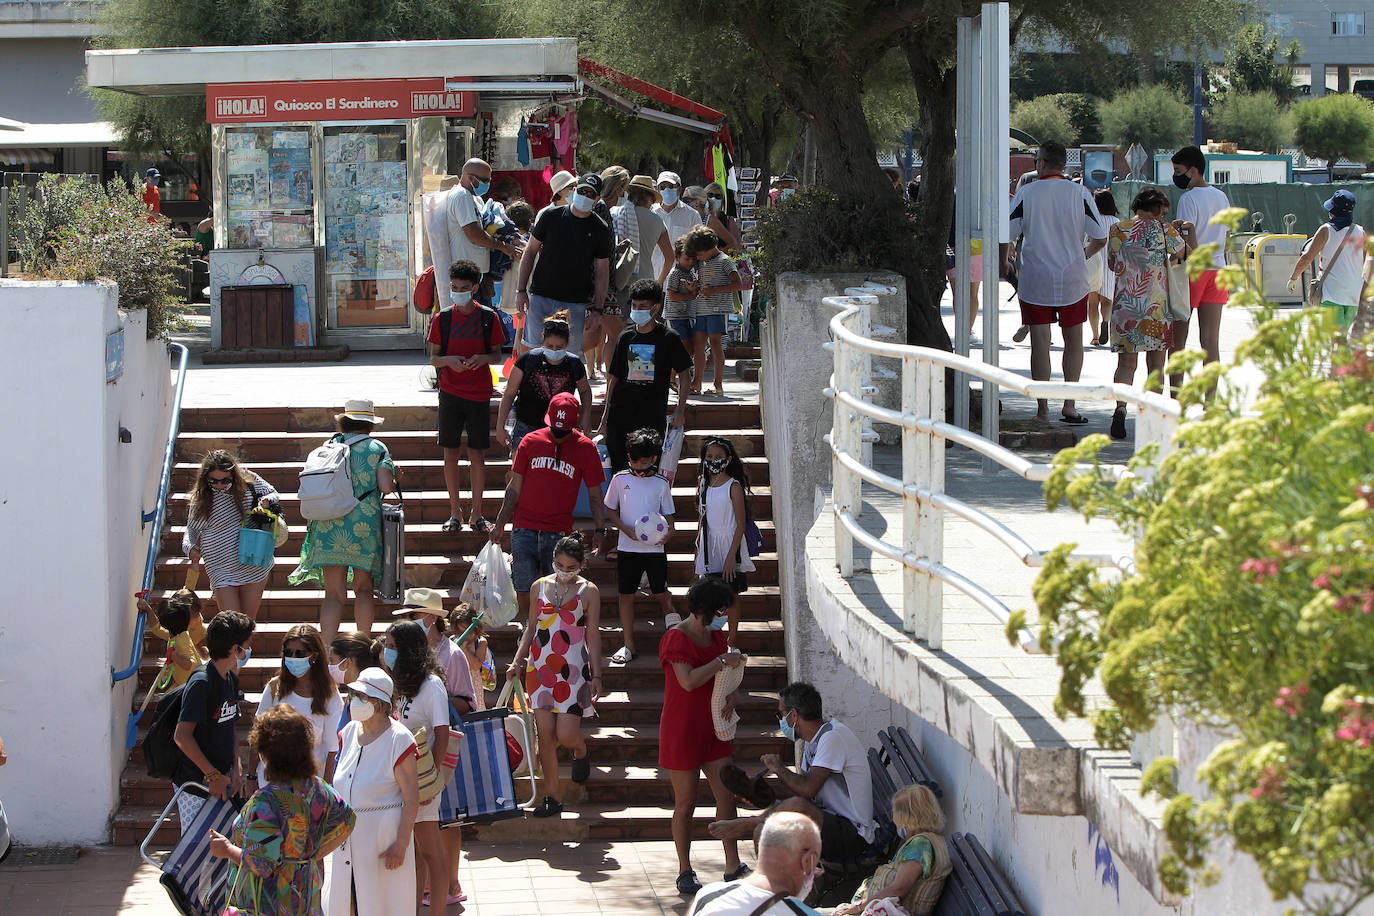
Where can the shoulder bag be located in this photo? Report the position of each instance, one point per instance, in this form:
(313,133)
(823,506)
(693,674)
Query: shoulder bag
(1177,301)
(1314,287)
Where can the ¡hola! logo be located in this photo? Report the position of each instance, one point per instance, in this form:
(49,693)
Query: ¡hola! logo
(241,106)
(436,101)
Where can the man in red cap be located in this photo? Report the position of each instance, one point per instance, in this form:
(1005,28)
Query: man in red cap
(549,467)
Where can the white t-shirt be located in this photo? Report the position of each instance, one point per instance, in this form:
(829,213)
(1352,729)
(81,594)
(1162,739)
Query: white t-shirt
(849,790)
(739,898)
(1055,215)
(462,207)
(635,497)
(1198,206)
(429,709)
(325,727)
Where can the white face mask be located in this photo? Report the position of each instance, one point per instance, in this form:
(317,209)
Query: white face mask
(554,356)
(337,673)
(583,202)
(563,578)
(360,710)
(460,299)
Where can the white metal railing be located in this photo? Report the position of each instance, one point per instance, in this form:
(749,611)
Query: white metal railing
(921,419)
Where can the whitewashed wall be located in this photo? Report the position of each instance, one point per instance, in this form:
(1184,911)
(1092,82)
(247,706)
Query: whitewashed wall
(71,548)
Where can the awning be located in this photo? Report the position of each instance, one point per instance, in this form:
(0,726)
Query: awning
(26,158)
(57,136)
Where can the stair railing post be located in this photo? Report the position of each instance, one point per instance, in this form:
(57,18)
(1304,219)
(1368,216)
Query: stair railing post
(935,589)
(839,479)
(914,522)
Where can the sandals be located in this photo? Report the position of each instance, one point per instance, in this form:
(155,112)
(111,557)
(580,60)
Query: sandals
(623,656)
(1076,420)
(453,524)
(612,555)
(482,526)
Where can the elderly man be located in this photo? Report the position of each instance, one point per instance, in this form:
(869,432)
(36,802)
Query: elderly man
(567,265)
(677,215)
(467,239)
(789,847)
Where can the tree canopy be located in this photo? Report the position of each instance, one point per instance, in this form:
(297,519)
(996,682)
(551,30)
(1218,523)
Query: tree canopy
(1336,126)
(1152,116)
(1256,63)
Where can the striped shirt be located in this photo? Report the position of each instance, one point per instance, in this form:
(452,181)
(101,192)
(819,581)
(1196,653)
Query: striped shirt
(218,535)
(716,272)
(677,282)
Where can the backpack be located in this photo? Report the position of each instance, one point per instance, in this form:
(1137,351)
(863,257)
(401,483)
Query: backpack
(160,752)
(424,295)
(489,315)
(326,481)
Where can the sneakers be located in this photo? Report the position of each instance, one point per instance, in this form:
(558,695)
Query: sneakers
(687,883)
(1021,333)
(743,871)
(582,767)
(549,807)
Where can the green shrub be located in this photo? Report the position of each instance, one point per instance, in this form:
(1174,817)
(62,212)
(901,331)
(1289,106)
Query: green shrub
(1252,120)
(1336,125)
(1045,119)
(1152,116)
(76,229)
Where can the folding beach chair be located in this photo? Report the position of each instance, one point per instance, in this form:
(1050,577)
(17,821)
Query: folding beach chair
(482,789)
(194,879)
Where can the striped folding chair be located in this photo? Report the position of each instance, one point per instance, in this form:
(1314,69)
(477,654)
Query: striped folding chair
(482,789)
(194,879)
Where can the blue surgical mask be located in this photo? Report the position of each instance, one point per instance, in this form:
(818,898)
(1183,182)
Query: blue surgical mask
(787,730)
(554,356)
(669,196)
(482,188)
(719,621)
(296,666)
(641,316)
(247,654)
(460,299)
(583,202)
(389,659)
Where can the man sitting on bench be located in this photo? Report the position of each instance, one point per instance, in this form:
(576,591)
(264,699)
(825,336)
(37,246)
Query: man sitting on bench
(833,787)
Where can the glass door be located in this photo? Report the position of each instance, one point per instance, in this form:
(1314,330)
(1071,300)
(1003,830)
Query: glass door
(366,229)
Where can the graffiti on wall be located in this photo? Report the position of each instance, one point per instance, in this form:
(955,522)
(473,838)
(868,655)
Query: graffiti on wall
(1104,868)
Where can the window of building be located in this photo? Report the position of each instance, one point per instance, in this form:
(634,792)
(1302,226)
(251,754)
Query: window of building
(1347,25)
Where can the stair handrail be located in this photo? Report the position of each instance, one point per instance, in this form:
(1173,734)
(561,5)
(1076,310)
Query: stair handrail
(159,511)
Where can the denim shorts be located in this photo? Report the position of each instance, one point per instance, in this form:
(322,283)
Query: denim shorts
(683,327)
(709,324)
(518,432)
(531,556)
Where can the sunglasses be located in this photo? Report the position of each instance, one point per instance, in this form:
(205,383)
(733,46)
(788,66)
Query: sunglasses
(219,481)
(715,197)
(295,653)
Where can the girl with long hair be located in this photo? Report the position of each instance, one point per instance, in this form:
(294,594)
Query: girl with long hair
(222,495)
(304,684)
(723,508)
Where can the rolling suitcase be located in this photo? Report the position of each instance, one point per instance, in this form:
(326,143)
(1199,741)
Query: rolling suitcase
(195,880)
(392,588)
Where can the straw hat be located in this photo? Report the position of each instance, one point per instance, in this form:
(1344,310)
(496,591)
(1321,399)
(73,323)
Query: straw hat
(361,410)
(421,599)
(644,183)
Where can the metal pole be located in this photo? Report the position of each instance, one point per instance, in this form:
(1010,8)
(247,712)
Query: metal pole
(839,485)
(4,232)
(995,171)
(913,512)
(1197,104)
(966,196)
(935,589)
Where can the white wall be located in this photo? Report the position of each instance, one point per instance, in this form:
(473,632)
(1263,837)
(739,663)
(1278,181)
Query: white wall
(71,549)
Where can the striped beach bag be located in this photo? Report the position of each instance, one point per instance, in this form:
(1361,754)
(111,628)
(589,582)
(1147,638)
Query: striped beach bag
(195,880)
(482,789)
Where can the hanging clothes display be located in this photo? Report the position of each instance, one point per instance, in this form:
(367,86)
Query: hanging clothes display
(522,144)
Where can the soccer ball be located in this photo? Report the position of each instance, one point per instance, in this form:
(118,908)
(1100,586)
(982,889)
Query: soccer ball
(651,530)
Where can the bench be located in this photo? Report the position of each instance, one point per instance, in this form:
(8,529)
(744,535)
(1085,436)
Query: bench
(841,874)
(975,887)
(906,759)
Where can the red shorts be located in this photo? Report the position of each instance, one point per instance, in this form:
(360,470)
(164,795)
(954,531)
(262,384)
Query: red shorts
(1067,315)
(1205,289)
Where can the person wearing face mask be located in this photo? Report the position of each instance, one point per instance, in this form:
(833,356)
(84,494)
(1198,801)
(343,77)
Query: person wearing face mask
(916,873)
(789,855)
(678,216)
(349,654)
(536,377)
(1338,248)
(842,807)
(205,732)
(152,197)
(784,186)
(464,341)
(1196,207)
(467,240)
(638,496)
(559,657)
(567,266)
(547,470)
(691,654)
(718,220)
(647,358)
(723,508)
(304,683)
(376,776)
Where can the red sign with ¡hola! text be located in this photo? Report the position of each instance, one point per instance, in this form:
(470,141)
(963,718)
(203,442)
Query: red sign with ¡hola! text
(334,100)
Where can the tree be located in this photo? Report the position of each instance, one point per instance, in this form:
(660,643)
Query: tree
(1045,118)
(1253,64)
(1151,115)
(1253,120)
(1335,126)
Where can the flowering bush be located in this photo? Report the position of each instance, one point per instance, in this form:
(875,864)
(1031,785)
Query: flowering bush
(76,229)
(1251,611)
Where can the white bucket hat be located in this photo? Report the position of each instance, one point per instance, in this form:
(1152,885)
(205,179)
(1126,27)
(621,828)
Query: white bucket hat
(361,410)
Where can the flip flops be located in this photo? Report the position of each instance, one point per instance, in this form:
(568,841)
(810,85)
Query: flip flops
(1076,420)
(453,524)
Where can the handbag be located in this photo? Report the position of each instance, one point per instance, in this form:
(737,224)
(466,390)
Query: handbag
(256,543)
(626,263)
(426,772)
(520,723)
(1177,300)
(1314,287)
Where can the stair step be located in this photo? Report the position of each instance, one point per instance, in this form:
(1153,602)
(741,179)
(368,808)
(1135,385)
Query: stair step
(404,444)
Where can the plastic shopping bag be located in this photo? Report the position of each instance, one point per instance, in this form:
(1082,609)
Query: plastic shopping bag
(672,451)
(489,588)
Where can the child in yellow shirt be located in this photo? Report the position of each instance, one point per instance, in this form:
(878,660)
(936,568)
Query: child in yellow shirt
(180,624)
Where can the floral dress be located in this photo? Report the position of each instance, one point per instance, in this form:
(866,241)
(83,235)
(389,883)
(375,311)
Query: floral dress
(281,830)
(1140,317)
(355,540)
(558,674)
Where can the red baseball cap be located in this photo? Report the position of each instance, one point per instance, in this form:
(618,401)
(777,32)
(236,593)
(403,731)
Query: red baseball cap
(564,411)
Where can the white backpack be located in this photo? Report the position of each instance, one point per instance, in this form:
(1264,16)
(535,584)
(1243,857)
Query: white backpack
(326,483)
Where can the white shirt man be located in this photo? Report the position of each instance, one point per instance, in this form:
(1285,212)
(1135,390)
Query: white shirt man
(466,238)
(1199,203)
(676,215)
(789,853)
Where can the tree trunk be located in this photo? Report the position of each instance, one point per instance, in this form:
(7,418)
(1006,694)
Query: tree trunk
(937,92)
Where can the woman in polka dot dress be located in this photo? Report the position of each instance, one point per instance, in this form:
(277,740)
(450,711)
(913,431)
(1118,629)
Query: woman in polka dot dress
(560,658)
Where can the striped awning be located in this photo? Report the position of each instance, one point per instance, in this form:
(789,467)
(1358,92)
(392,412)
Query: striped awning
(26,158)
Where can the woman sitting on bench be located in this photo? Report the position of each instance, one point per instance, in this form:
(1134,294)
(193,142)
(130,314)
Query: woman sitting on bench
(916,875)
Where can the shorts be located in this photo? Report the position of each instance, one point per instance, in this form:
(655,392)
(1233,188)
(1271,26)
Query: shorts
(683,327)
(1345,314)
(1068,315)
(457,415)
(1205,289)
(542,307)
(531,556)
(633,565)
(709,324)
(429,811)
(840,839)
(518,432)
(975,269)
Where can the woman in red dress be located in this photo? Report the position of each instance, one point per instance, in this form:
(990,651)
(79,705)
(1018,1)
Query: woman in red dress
(691,654)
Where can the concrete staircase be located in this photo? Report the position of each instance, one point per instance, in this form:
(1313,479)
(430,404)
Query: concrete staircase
(627,796)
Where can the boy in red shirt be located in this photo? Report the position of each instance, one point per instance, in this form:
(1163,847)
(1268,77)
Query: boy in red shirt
(464,341)
(152,197)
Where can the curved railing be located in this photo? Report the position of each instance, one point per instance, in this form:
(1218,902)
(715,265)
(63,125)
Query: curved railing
(924,432)
(159,511)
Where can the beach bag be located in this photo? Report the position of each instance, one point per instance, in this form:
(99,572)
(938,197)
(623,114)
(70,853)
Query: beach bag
(259,536)
(489,588)
(393,585)
(426,773)
(626,263)
(326,481)
(520,728)
(672,450)
(1177,304)
(424,297)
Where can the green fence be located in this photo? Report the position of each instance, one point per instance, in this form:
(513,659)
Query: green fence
(1273,200)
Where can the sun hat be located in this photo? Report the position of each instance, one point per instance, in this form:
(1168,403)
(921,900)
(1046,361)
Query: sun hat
(672,178)
(375,683)
(421,599)
(564,411)
(360,409)
(645,183)
(561,180)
